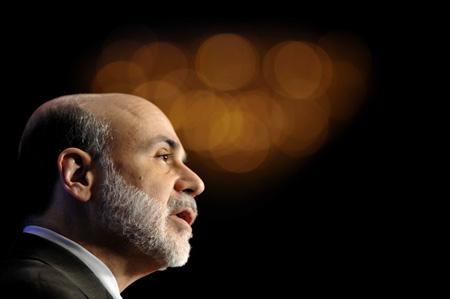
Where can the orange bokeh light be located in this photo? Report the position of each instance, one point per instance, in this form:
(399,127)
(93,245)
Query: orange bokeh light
(118,76)
(226,62)
(157,59)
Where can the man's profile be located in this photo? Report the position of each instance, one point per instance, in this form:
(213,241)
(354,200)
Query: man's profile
(111,198)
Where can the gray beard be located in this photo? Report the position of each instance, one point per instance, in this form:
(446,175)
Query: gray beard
(129,213)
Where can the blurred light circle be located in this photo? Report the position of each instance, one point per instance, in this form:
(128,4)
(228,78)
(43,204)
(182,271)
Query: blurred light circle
(293,69)
(161,93)
(327,72)
(118,76)
(184,79)
(158,59)
(226,62)
(308,126)
(247,148)
(204,110)
(265,108)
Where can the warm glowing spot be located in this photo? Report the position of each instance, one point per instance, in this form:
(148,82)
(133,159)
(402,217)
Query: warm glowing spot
(161,93)
(308,127)
(158,59)
(327,72)
(184,79)
(268,67)
(177,112)
(298,69)
(204,110)
(266,109)
(226,62)
(248,145)
(118,76)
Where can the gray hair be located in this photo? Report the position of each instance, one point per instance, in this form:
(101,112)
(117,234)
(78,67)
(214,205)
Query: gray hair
(49,132)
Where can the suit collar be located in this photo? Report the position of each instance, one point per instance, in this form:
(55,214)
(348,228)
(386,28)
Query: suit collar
(32,246)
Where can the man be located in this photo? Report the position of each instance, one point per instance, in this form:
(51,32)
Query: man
(112,199)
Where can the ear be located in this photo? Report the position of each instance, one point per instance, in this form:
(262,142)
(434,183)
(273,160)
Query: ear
(76,173)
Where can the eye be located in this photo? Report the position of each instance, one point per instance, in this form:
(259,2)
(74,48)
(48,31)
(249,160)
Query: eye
(165,157)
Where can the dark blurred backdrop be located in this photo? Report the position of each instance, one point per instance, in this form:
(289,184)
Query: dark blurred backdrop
(329,223)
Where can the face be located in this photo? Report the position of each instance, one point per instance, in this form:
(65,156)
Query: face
(147,193)
(143,221)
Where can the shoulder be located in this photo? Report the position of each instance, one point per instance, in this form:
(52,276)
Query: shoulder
(26,277)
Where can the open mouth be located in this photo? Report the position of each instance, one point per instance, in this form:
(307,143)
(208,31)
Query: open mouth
(187,215)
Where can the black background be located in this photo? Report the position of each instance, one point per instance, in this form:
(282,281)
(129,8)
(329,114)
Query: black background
(334,224)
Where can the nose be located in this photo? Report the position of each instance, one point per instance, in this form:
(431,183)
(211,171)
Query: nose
(189,182)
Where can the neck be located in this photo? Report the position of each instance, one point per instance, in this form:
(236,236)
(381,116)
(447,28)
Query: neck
(127,265)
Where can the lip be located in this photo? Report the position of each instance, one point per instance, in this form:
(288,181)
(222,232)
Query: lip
(186,215)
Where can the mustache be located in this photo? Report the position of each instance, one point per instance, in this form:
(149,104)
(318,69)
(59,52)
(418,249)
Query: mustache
(182,201)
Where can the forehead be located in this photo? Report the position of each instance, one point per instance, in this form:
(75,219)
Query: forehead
(133,120)
(139,122)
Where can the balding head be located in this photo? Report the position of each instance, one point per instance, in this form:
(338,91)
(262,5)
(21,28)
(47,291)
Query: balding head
(110,107)
(102,104)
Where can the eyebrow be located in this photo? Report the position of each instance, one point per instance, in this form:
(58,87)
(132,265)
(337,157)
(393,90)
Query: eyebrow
(164,139)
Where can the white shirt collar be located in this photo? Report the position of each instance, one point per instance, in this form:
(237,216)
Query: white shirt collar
(95,264)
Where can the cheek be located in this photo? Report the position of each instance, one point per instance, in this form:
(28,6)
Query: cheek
(157,187)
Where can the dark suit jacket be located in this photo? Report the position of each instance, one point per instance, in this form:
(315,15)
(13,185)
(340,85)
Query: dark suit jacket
(39,268)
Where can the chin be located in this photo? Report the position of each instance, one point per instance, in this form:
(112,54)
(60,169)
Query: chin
(180,257)
(176,253)
(178,247)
